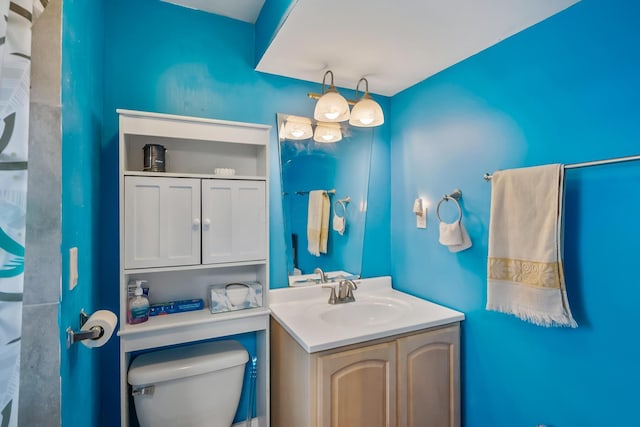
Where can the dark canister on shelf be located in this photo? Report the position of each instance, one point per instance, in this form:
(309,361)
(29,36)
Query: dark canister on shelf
(154,158)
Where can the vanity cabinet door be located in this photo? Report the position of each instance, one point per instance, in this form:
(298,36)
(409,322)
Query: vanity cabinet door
(233,220)
(162,221)
(428,378)
(357,388)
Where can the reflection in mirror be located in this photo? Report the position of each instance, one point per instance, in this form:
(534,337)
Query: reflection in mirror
(324,196)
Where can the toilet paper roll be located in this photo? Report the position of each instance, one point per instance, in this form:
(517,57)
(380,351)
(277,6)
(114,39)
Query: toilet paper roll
(104,319)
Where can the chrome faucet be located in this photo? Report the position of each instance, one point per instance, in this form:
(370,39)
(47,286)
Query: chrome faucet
(344,293)
(345,290)
(323,277)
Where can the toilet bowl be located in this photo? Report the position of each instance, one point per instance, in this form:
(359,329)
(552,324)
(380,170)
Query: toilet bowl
(197,385)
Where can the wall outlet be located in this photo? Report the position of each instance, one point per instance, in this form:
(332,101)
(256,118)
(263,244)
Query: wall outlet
(73,268)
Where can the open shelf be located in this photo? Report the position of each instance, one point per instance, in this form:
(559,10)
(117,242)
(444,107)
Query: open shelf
(195,175)
(194,267)
(191,326)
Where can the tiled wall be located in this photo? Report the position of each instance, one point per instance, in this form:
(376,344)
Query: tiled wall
(40,358)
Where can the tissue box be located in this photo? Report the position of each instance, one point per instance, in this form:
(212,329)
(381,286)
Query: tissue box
(234,296)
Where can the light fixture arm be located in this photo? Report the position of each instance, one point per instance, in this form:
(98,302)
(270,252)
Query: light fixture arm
(331,85)
(351,102)
(324,78)
(366,87)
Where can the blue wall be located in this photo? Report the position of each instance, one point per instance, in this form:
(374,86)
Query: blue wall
(82,96)
(153,56)
(181,61)
(563,91)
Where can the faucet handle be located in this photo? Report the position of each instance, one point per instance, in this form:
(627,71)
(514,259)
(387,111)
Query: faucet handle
(332,296)
(347,287)
(352,284)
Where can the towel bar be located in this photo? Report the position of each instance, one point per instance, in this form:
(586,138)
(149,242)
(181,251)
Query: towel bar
(488,176)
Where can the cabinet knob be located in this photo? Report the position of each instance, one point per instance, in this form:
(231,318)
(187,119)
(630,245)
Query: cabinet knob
(206,223)
(196,223)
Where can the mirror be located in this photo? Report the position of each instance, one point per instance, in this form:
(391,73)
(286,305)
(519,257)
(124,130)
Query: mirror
(339,168)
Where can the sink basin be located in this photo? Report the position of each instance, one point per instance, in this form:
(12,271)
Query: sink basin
(365,313)
(379,311)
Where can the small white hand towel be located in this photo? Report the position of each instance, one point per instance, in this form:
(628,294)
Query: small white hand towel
(318,222)
(525,276)
(339,223)
(454,236)
(464,244)
(450,234)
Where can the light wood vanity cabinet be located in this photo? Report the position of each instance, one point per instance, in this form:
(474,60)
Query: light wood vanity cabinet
(357,388)
(409,380)
(429,378)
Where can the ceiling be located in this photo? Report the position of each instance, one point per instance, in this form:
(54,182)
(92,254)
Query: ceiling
(242,10)
(393,44)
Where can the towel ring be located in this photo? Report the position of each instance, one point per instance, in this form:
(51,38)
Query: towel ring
(446,198)
(343,204)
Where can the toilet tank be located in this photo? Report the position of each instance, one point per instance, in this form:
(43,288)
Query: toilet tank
(197,385)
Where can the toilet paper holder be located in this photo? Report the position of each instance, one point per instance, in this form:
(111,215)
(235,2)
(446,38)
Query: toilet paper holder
(76,336)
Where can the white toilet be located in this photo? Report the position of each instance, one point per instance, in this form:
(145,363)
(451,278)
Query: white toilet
(197,385)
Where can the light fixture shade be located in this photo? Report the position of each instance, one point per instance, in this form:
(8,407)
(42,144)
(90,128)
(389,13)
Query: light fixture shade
(366,113)
(298,128)
(331,107)
(327,133)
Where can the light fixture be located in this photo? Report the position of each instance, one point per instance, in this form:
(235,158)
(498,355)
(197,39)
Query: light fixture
(327,132)
(333,107)
(366,112)
(298,128)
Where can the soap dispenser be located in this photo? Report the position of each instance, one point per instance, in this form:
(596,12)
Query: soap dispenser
(138,310)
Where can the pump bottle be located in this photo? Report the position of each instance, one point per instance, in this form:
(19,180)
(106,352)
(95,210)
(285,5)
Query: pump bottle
(138,309)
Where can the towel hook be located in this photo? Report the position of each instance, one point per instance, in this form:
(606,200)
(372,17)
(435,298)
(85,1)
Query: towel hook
(455,196)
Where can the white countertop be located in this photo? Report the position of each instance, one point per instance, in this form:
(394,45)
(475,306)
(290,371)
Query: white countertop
(317,325)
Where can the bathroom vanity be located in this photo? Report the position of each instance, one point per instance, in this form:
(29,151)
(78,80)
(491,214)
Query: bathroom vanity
(201,221)
(388,359)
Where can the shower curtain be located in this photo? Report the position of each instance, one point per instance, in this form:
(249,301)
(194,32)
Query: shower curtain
(15,65)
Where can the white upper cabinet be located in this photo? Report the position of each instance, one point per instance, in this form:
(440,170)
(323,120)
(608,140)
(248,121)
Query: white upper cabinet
(165,223)
(162,221)
(233,221)
(187,215)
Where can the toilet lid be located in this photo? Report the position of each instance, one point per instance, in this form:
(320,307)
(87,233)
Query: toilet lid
(186,361)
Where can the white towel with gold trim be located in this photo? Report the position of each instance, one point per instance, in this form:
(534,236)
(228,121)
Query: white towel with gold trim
(525,276)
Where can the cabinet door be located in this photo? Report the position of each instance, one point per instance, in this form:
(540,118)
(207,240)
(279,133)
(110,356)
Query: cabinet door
(357,388)
(233,221)
(429,379)
(162,221)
